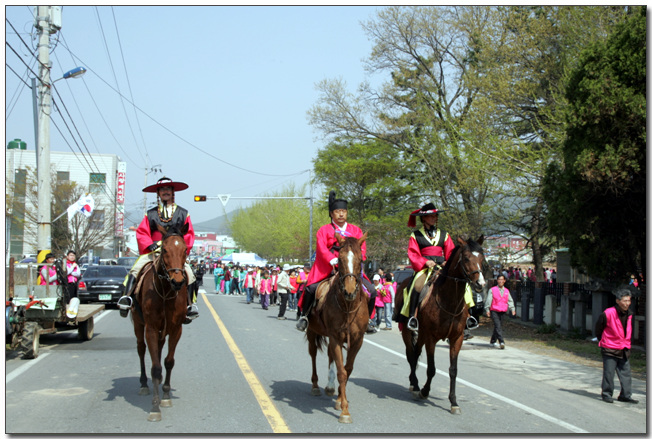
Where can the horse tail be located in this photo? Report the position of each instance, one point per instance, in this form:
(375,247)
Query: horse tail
(320,342)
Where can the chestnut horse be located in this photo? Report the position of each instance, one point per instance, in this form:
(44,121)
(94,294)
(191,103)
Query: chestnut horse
(160,305)
(339,319)
(442,315)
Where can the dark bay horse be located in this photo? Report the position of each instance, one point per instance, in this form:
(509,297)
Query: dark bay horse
(442,315)
(339,319)
(160,310)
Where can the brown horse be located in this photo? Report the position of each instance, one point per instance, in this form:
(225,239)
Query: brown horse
(442,315)
(160,307)
(339,319)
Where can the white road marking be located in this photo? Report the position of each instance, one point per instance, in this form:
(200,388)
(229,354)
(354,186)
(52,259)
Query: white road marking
(516,404)
(22,369)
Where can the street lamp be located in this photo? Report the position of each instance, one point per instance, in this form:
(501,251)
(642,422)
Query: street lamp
(42,113)
(155,168)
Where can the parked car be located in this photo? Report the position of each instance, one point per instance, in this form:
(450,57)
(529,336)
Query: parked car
(127,261)
(401,275)
(102,283)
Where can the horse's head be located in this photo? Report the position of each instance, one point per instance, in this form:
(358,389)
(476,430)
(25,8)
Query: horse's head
(472,262)
(173,255)
(350,265)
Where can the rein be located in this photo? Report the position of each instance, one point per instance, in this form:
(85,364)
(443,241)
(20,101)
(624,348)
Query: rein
(350,314)
(466,279)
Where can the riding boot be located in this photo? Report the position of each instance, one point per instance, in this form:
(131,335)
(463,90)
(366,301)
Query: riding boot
(308,299)
(192,312)
(125,302)
(413,323)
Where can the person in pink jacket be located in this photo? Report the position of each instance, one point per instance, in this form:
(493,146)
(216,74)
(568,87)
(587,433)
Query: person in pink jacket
(265,289)
(380,303)
(498,302)
(614,330)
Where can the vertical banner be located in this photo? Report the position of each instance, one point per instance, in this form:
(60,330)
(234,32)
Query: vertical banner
(120,200)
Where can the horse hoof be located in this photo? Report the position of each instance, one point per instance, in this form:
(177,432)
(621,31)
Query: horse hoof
(345,419)
(166,403)
(154,417)
(338,405)
(144,391)
(456,410)
(416,395)
(315,391)
(329,391)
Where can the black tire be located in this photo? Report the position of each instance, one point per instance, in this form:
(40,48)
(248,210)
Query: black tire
(29,341)
(86,329)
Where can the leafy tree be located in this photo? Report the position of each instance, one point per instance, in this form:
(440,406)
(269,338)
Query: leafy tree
(474,106)
(369,176)
(597,195)
(80,234)
(276,229)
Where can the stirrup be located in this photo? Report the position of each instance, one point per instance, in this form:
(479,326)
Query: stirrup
(413,324)
(122,302)
(301,326)
(192,312)
(472,325)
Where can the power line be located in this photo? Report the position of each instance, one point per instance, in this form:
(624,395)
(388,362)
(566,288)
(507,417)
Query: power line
(172,132)
(131,94)
(115,78)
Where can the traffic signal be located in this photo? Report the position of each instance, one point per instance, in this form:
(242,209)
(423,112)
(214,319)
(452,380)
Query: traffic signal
(200,197)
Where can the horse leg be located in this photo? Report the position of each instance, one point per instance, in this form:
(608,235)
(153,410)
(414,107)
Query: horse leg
(166,401)
(330,387)
(455,347)
(412,354)
(430,354)
(335,350)
(142,349)
(312,349)
(153,344)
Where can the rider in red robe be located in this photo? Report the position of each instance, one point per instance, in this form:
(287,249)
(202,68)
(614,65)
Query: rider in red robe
(326,258)
(167,213)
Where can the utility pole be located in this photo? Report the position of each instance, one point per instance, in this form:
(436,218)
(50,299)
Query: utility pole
(155,169)
(311,201)
(43,24)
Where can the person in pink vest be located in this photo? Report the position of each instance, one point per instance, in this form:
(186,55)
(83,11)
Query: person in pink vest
(614,330)
(48,273)
(498,302)
(265,290)
(379,303)
(326,256)
(73,272)
(249,284)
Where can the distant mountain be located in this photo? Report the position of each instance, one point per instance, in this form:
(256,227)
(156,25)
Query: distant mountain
(216,225)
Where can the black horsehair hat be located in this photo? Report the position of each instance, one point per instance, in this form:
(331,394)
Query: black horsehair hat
(427,209)
(334,204)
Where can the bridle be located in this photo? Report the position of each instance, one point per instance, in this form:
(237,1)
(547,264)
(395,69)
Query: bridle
(467,275)
(467,278)
(165,275)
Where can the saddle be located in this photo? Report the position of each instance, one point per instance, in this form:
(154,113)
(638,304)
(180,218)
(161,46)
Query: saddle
(140,279)
(322,289)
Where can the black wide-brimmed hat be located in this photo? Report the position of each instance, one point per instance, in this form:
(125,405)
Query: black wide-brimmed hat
(166,182)
(335,203)
(427,209)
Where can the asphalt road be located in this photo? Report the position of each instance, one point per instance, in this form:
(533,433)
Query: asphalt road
(239,370)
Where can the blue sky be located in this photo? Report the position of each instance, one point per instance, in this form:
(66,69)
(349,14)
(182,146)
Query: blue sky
(217,84)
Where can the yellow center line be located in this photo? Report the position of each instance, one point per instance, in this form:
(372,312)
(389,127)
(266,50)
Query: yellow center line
(266,405)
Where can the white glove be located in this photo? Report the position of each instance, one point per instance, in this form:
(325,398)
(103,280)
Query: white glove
(333,262)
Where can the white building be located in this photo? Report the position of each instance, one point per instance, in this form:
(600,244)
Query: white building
(103,174)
